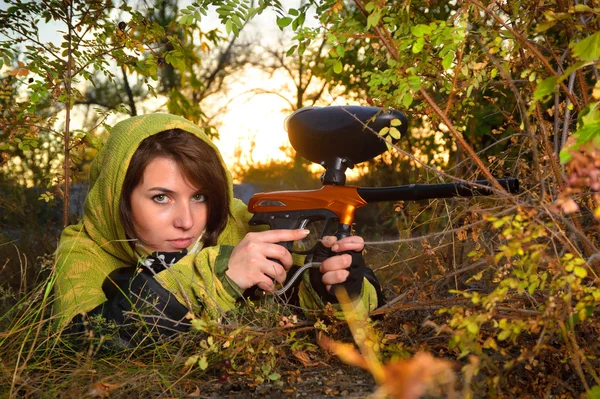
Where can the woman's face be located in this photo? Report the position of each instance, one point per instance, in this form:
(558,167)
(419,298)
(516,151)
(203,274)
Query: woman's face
(169,214)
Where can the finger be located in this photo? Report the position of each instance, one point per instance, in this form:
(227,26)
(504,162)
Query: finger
(266,284)
(335,277)
(275,271)
(278,235)
(351,243)
(337,262)
(274,251)
(328,241)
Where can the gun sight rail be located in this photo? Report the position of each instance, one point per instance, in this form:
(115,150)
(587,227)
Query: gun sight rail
(415,192)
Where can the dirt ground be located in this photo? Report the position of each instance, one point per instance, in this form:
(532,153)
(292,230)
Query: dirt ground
(332,381)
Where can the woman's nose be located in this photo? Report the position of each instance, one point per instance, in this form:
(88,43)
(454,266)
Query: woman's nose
(184,219)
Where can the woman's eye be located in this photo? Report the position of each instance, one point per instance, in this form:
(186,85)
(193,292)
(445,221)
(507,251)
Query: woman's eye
(199,198)
(160,198)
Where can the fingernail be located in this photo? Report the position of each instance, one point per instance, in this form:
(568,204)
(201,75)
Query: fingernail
(306,231)
(335,248)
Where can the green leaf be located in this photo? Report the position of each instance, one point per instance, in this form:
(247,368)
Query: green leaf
(414,82)
(293,11)
(337,67)
(592,115)
(340,51)
(236,20)
(545,87)
(565,157)
(274,376)
(593,393)
(291,50)
(588,49)
(447,61)
(384,131)
(370,6)
(407,99)
(581,8)
(572,68)
(396,122)
(395,133)
(373,19)
(203,363)
(418,45)
(283,22)
(544,26)
(420,30)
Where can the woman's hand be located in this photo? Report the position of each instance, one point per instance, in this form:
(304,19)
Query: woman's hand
(250,265)
(334,268)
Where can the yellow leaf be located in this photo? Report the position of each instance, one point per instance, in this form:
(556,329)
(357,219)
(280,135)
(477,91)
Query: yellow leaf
(191,361)
(596,91)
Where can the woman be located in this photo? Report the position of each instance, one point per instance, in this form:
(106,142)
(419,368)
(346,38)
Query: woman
(161,228)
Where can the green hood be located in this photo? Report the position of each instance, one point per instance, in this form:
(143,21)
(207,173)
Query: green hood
(107,173)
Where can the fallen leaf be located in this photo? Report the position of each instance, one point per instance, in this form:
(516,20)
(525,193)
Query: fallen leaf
(305,359)
(103,389)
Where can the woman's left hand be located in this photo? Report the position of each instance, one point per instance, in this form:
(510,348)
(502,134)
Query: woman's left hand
(334,268)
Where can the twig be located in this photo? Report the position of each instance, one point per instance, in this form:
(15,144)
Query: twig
(567,121)
(433,235)
(529,46)
(522,108)
(459,138)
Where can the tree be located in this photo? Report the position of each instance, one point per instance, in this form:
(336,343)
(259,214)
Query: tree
(50,73)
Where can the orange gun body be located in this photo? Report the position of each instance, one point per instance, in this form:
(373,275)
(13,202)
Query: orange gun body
(341,200)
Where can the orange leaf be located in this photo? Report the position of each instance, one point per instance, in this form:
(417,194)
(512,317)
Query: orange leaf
(195,394)
(411,378)
(346,352)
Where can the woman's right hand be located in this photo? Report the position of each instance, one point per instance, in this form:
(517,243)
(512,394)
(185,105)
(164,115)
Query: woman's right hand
(252,261)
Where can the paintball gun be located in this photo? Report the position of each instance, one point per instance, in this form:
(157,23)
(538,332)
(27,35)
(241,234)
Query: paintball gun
(338,137)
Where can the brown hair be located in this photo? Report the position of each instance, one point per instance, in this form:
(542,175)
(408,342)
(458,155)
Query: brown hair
(200,165)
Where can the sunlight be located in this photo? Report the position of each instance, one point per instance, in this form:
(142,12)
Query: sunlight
(254,120)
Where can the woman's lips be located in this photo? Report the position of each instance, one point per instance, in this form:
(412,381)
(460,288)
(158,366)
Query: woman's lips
(181,243)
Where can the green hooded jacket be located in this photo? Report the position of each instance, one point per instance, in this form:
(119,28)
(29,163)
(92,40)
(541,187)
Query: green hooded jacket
(90,250)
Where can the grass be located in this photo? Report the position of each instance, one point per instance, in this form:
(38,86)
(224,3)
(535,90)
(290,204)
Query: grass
(264,351)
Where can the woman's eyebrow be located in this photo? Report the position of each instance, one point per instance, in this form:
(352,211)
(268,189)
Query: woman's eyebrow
(162,189)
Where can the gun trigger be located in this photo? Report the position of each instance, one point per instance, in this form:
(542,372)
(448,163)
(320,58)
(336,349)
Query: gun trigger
(303,223)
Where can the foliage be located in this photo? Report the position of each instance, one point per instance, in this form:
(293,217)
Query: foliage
(513,79)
